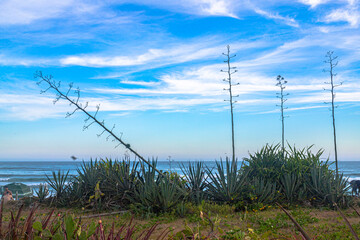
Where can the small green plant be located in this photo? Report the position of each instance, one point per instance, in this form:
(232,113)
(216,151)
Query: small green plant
(234,234)
(215,208)
(303,217)
(272,224)
(195,233)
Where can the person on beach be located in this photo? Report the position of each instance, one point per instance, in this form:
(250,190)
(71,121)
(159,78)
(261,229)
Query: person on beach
(7,191)
(7,195)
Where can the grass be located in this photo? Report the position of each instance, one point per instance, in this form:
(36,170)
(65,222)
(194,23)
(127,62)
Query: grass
(228,224)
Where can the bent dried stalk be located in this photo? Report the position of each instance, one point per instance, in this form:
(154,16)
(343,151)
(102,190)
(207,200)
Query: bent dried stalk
(52,84)
(297,225)
(357,212)
(347,222)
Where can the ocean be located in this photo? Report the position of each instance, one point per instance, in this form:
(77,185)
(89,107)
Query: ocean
(33,173)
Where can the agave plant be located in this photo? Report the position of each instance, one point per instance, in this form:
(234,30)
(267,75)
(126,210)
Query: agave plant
(196,180)
(158,193)
(292,187)
(88,177)
(268,163)
(299,161)
(265,191)
(119,180)
(327,188)
(226,183)
(298,174)
(74,193)
(58,183)
(42,193)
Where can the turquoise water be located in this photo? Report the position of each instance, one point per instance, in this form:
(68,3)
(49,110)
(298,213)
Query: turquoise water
(34,172)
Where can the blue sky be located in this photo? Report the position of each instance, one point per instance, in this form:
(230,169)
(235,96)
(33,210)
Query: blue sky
(154,68)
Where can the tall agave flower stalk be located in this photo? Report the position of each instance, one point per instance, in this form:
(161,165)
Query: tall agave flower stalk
(230,71)
(331,60)
(281,82)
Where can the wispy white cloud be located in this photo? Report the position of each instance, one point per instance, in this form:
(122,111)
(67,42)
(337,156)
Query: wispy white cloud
(194,7)
(313,3)
(287,20)
(349,13)
(215,7)
(207,48)
(6,60)
(172,54)
(256,86)
(291,109)
(199,85)
(141,83)
(26,12)
(199,89)
(30,107)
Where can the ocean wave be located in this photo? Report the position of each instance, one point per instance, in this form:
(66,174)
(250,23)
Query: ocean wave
(354,178)
(352,175)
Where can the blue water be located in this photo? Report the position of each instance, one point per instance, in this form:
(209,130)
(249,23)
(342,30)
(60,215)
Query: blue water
(34,172)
